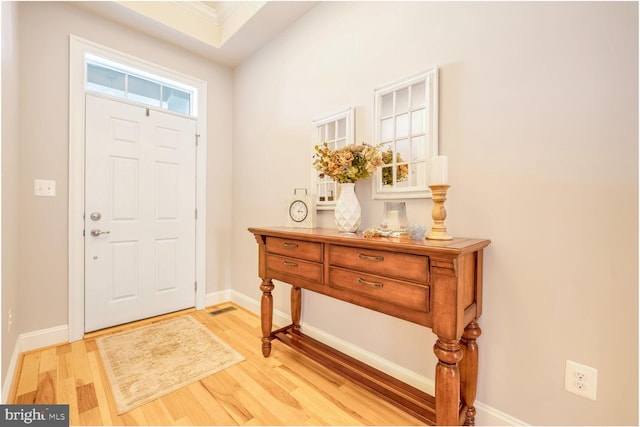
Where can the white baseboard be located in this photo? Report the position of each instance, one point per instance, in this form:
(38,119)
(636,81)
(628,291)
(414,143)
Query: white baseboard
(43,338)
(13,364)
(489,416)
(217,297)
(31,341)
(485,414)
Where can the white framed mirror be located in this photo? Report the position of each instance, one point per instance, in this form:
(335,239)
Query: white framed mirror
(337,130)
(406,128)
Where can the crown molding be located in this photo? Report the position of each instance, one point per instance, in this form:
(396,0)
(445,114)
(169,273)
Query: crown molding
(201,11)
(226,9)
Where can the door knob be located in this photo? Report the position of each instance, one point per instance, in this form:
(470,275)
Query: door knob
(96,232)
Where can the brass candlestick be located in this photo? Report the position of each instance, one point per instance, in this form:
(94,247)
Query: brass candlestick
(439,213)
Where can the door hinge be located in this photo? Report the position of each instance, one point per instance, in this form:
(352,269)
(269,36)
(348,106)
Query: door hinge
(197,138)
(196,213)
(195,288)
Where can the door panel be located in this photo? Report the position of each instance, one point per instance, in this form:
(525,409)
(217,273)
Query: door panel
(140,179)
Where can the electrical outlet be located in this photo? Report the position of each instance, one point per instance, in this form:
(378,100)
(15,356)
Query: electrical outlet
(9,320)
(44,187)
(581,379)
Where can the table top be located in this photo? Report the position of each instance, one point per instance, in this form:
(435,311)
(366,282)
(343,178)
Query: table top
(455,247)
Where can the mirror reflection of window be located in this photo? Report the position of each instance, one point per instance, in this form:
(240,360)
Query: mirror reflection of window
(406,127)
(337,131)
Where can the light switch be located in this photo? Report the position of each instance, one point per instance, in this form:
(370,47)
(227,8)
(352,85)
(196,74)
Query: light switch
(44,187)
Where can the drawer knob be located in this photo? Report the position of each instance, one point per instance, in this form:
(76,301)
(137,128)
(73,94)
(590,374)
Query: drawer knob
(371,258)
(289,264)
(372,284)
(290,245)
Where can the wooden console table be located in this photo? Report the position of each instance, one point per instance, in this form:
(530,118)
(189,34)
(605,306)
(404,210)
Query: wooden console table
(437,284)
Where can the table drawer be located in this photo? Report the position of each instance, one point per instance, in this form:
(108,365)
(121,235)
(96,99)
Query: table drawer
(413,296)
(295,267)
(310,251)
(384,263)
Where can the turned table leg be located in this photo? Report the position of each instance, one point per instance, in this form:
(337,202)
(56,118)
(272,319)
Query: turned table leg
(266,315)
(469,370)
(296,307)
(449,353)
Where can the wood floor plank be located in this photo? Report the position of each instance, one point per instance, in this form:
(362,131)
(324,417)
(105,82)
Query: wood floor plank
(64,368)
(223,387)
(87,399)
(262,414)
(66,393)
(135,417)
(354,397)
(28,382)
(286,409)
(46,392)
(80,363)
(156,413)
(174,408)
(27,398)
(198,414)
(286,388)
(323,408)
(90,417)
(105,403)
(48,360)
(213,406)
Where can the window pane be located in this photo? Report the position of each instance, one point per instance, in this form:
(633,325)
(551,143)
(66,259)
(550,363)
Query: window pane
(105,80)
(386,103)
(322,137)
(331,131)
(386,129)
(402,126)
(418,148)
(418,95)
(342,128)
(418,174)
(387,175)
(387,147)
(417,122)
(176,100)
(402,101)
(144,91)
(403,150)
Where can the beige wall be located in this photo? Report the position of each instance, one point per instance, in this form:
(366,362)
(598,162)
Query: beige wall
(539,118)
(10,205)
(44,30)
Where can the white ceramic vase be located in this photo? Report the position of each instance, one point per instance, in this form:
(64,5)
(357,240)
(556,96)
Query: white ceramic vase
(347,211)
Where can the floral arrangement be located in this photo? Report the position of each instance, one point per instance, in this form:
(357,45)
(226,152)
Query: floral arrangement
(402,171)
(347,164)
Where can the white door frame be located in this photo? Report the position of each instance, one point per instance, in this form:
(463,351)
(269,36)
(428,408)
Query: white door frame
(78,48)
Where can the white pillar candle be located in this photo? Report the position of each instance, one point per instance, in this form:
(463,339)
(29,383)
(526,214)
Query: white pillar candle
(439,170)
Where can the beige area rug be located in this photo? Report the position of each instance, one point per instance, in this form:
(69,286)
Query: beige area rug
(148,362)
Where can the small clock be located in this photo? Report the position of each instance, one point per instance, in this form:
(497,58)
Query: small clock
(301,210)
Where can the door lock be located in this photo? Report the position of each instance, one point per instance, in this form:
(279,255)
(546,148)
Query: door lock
(95,216)
(96,232)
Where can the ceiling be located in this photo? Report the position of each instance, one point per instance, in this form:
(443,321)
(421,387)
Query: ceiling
(226,32)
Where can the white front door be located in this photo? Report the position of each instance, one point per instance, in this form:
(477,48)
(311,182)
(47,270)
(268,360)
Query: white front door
(140,200)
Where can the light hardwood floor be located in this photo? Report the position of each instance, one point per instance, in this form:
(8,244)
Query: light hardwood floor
(285,389)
